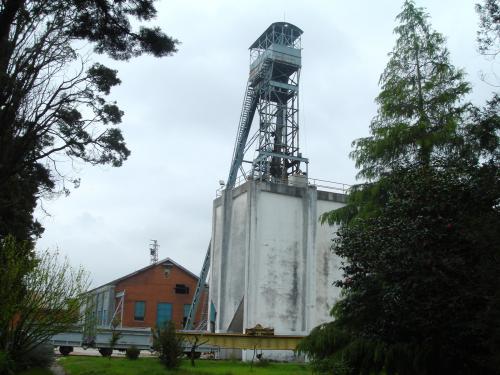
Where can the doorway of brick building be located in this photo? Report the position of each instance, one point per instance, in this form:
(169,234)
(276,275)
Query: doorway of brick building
(163,313)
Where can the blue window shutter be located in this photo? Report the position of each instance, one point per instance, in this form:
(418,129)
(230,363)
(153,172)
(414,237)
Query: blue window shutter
(163,313)
(186,310)
(140,310)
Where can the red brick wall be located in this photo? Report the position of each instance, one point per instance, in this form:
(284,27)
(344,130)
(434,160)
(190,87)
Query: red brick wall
(153,287)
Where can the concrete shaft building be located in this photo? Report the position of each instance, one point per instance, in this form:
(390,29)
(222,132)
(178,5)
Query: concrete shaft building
(271,262)
(271,259)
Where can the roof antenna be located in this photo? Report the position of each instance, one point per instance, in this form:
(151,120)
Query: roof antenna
(153,251)
(284,16)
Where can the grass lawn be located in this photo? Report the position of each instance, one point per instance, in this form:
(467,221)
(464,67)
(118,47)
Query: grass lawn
(151,366)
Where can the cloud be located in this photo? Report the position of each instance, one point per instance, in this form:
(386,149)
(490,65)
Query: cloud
(182,112)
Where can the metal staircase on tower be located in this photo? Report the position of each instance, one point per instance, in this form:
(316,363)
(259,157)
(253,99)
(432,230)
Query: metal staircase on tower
(272,90)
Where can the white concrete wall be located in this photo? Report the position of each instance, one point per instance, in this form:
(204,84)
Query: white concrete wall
(228,249)
(272,252)
(326,267)
(276,267)
(215,253)
(233,262)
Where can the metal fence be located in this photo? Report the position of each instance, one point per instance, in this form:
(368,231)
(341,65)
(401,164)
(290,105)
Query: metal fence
(326,185)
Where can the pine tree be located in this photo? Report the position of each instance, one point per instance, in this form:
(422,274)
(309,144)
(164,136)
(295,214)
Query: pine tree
(420,239)
(54,103)
(420,101)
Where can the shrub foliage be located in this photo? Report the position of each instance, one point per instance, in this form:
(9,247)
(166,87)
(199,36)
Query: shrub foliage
(168,345)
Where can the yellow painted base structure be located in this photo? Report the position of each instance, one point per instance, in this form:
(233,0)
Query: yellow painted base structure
(241,341)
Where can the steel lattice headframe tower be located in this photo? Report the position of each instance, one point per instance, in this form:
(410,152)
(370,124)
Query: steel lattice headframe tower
(273,90)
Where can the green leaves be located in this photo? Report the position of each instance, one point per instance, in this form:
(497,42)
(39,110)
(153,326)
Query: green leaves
(155,42)
(53,103)
(421,266)
(41,296)
(420,102)
(168,345)
(103,78)
(107,25)
(488,36)
(420,241)
(116,150)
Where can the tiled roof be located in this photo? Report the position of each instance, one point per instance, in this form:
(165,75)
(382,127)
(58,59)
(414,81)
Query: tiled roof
(161,262)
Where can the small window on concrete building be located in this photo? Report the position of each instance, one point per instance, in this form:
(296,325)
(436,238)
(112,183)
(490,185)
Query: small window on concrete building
(139,310)
(181,289)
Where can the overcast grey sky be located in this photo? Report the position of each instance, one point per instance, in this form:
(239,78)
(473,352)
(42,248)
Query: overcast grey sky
(182,112)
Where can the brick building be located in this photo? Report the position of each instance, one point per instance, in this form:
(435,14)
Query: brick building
(148,297)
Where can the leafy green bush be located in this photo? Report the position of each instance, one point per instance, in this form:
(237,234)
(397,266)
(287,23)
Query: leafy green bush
(168,345)
(262,362)
(330,365)
(40,356)
(6,363)
(106,352)
(42,295)
(132,352)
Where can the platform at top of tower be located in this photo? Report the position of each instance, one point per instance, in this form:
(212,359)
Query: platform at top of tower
(325,190)
(278,33)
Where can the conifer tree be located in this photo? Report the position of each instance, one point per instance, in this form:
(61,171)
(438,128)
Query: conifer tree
(420,239)
(420,101)
(54,103)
